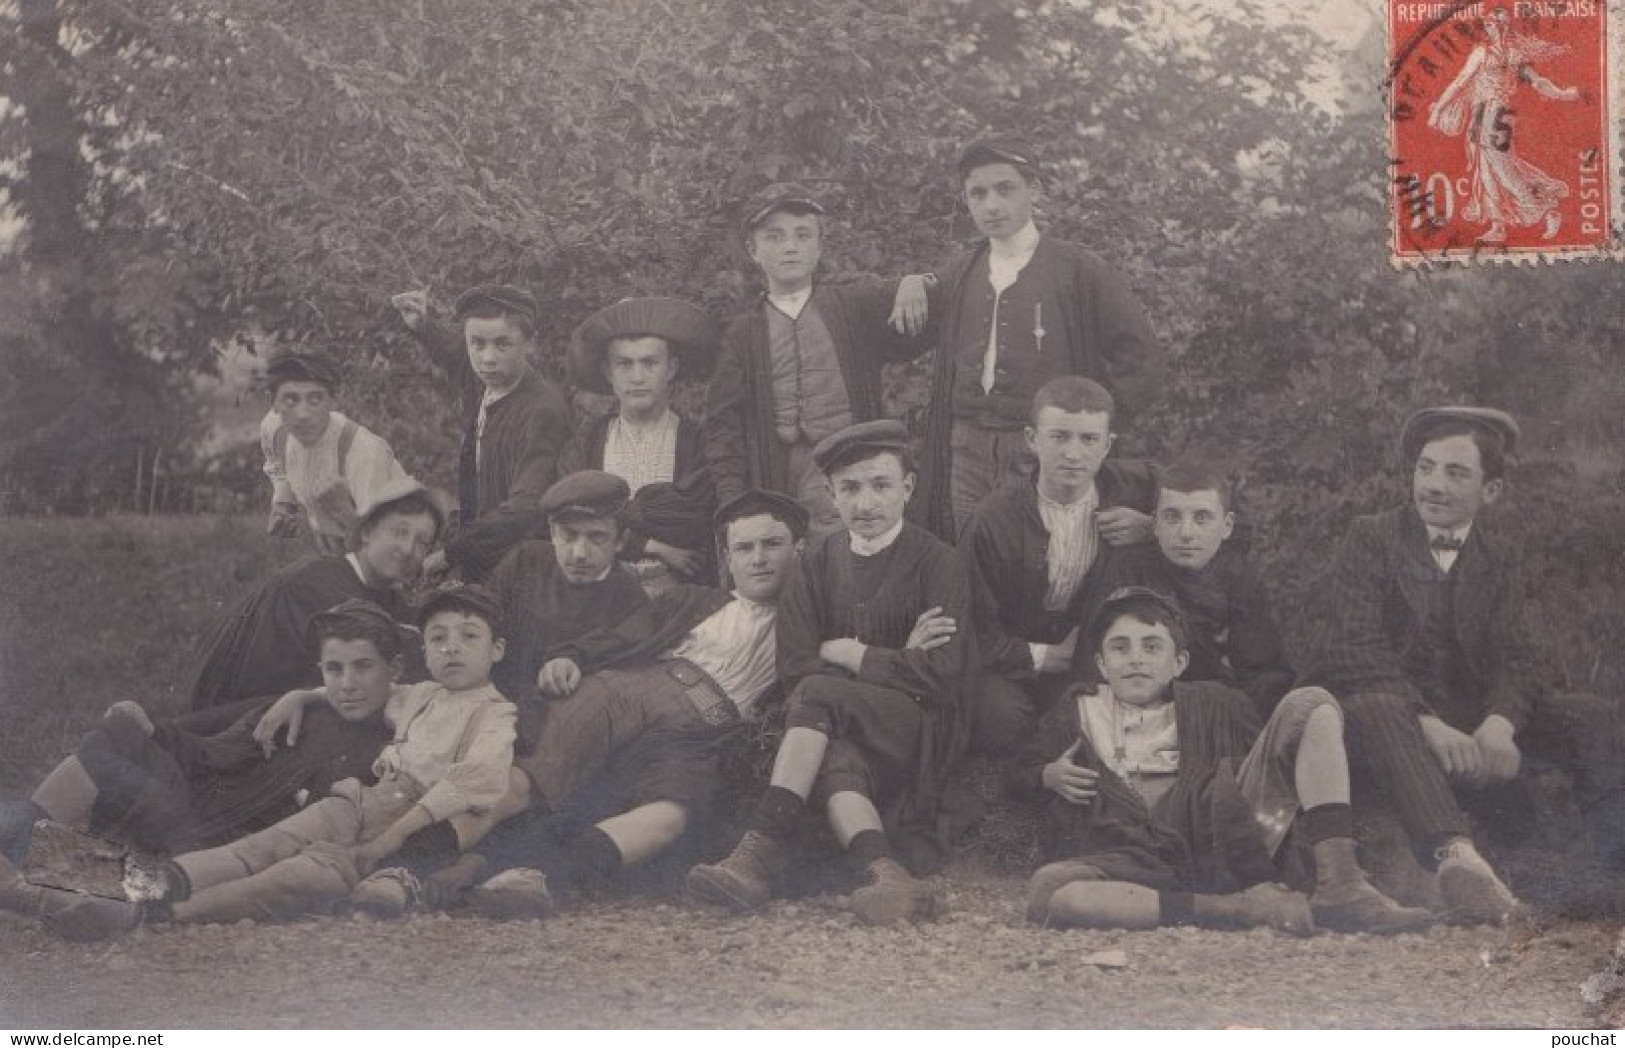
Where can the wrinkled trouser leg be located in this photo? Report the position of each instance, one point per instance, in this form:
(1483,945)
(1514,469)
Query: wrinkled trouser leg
(304,883)
(1387,749)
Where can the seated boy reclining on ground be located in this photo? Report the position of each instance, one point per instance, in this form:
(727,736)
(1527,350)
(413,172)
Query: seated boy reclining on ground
(451,754)
(203,779)
(1167,805)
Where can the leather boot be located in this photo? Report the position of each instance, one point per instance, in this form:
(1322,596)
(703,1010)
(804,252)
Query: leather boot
(892,894)
(1345,901)
(1051,878)
(744,880)
(1261,906)
(1472,893)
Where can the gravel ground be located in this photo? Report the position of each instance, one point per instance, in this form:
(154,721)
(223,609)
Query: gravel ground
(640,962)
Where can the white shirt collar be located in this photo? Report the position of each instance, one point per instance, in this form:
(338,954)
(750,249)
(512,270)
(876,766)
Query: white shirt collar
(1450,533)
(792,304)
(869,547)
(1017,247)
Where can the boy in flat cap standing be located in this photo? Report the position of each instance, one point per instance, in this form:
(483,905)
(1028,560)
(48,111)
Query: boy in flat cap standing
(804,361)
(1012,314)
(634,350)
(517,421)
(1444,691)
(871,724)
(321,464)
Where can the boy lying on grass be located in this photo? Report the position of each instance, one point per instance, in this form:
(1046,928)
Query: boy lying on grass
(202,779)
(1170,806)
(452,750)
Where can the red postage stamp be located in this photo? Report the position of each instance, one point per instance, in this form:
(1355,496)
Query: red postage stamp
(1502,130)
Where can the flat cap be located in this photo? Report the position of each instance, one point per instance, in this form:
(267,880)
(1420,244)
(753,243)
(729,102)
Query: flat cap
(503,297)
(588,493)
(301,365)
(391,494)
(1132,598)
(754,502)
(362,612)
(468,597)
(997,149)
(686,328)
(859,441)
(787,196)
(1498,425)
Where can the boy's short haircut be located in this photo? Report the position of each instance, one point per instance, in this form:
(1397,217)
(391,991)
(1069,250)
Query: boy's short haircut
(405,497)
(468,597)
(1191,474)
(358,619)
(1142,604)
(1072,394)
(754,502)
(498,302)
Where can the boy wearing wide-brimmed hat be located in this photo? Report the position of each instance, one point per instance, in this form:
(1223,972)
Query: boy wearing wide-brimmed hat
(634,350)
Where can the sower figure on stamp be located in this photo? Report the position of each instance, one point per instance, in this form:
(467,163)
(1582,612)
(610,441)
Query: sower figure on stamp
(804,361)
(1168,805)
(634,350)
(1444,689)
(515,421)
(1042,552)
(1011,314)
(871,727)
(637,715)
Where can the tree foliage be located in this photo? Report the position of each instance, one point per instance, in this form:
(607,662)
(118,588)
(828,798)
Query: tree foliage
(272,170)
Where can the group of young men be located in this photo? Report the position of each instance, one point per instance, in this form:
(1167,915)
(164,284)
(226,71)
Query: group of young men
(1093,625)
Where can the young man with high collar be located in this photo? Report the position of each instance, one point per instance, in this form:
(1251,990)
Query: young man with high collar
(1444,690)
(1041,552)
(804,361)
(1012,313)
(871,723)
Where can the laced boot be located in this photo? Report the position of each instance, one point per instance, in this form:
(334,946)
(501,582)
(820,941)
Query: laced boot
(1345,901)
(1261,906)
(892,894)
(744,880)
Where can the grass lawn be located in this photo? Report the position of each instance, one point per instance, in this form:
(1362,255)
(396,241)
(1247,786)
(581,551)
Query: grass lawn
(97,610)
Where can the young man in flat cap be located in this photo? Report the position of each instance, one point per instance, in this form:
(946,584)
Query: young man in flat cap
(555,589)
(634,350)
(1011,314)
(1171,803)
(260,646)
(1445,692)
(639,711)
(871,724)
(321,464)
(804,361)
(517,422)
(1041,552)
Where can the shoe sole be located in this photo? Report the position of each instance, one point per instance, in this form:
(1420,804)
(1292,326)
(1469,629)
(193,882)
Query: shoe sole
(382,909)
(1472,898)
(718,889)
(90,918)
(1407,920)
(509,906)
